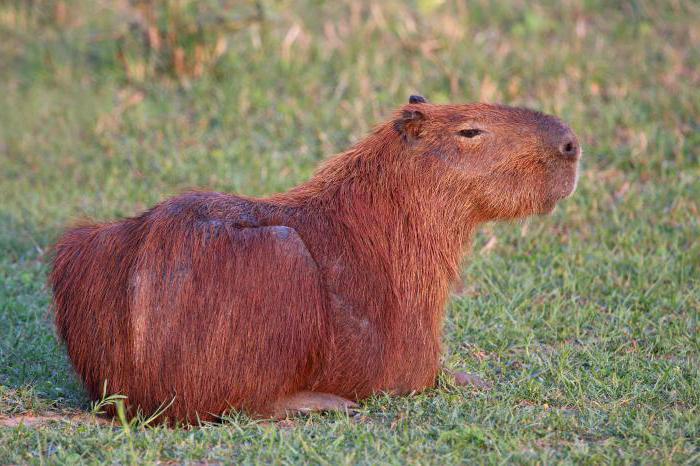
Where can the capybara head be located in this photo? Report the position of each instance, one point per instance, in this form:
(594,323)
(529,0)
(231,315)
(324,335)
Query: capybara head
(508,162)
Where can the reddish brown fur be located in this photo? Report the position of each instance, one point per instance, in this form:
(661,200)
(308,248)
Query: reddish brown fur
(337,286)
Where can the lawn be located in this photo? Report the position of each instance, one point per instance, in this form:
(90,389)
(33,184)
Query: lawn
(586,322)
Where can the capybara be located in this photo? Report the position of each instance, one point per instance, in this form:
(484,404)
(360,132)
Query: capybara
(310,299)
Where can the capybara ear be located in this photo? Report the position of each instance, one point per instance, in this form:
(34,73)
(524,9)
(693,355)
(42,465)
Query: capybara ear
(416,99)
(409,124)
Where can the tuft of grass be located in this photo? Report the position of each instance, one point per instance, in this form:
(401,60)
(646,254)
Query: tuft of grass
(586,322)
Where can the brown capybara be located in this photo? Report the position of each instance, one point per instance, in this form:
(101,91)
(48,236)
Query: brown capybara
(310,299)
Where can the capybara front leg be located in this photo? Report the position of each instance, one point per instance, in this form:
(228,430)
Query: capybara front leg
(465,379)
(307,402)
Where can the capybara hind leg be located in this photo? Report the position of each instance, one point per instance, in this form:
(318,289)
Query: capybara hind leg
(307,402)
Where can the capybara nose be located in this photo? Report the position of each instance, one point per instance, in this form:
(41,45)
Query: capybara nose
(569,147)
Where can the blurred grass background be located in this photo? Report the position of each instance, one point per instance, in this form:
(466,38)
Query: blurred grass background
(587,321)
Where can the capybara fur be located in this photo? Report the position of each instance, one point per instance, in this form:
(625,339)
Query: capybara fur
(309,299)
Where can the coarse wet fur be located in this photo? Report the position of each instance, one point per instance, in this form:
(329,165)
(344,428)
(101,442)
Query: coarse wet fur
(310,299)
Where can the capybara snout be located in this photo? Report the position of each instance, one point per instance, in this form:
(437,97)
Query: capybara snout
(561,139)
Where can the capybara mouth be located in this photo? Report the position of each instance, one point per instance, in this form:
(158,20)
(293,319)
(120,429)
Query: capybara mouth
(570,185)
(562,185)
(566,185)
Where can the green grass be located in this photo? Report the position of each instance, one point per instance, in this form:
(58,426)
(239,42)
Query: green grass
(586,321)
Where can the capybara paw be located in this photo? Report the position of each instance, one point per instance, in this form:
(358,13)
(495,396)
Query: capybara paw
(465,379)
(307,402)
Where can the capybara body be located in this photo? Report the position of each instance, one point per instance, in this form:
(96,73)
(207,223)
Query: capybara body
(216,301)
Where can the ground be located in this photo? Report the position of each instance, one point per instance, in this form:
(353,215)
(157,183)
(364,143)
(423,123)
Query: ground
(585,321)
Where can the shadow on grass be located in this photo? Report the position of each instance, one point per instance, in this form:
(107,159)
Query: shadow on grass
(35,373)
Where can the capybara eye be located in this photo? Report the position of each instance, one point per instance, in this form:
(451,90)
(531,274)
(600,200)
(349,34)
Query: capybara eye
(470,133)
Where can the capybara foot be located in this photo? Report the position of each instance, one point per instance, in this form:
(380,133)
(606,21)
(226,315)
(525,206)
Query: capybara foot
(307,402)
(465,379)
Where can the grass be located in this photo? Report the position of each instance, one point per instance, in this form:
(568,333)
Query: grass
(585,321)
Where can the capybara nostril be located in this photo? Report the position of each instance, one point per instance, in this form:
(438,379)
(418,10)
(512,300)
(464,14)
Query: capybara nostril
(569,147)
